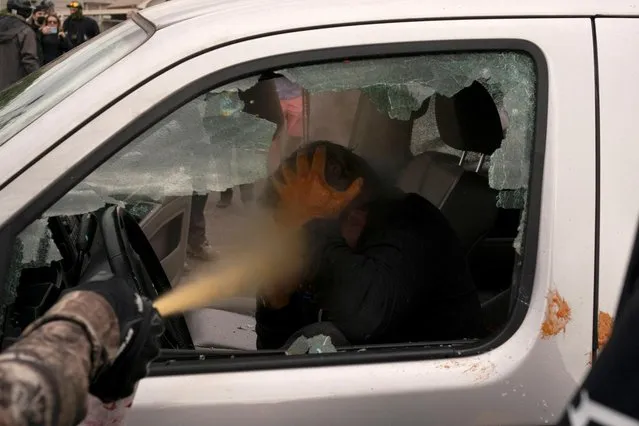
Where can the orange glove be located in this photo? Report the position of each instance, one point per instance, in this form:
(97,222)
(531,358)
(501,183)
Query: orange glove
(305,194)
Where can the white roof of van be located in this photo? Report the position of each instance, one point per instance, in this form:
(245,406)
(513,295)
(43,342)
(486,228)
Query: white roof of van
(290,14)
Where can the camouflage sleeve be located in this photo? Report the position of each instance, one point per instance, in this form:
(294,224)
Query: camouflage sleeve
(44,377)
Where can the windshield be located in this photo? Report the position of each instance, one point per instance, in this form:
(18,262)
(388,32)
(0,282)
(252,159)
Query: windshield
(40,91)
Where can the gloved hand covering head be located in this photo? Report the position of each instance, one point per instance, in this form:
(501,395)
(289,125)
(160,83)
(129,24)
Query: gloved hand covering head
(321,179)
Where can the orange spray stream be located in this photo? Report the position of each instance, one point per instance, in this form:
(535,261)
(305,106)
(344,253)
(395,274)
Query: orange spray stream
(268,259)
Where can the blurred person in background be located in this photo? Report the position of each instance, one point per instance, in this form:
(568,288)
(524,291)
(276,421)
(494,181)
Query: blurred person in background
(53,40)
(36,21)
(291,99)
(246,195)
(285,142)
(79,28)
(292,103)
(46,6)
(39,15)
(18,43)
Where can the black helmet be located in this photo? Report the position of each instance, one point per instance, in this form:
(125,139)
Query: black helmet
(74,5)
(23,8)
(45,5)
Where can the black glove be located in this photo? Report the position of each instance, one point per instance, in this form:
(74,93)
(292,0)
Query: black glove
(140,329)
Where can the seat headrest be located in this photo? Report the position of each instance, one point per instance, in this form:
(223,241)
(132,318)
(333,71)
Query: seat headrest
(469,121)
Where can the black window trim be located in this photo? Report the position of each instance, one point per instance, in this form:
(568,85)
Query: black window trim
(523,276)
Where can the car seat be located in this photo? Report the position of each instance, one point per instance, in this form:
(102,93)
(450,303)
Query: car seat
(468,122)
(351,119)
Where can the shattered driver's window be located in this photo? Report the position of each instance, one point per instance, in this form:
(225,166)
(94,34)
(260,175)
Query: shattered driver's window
(455,131)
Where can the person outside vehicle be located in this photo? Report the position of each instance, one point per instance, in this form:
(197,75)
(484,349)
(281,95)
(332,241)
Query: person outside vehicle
(18,44)
(289,95)
(226,196)
(79,28)
(37,21)
(82,344)
(291,99)
(53,40)
(292,103)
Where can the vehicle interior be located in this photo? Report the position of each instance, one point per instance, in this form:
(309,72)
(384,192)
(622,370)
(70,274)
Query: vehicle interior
(442,150)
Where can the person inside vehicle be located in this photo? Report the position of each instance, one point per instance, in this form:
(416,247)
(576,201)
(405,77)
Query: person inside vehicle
(99,337)
(81,345)
(18,44)
(382,266)
(79,28)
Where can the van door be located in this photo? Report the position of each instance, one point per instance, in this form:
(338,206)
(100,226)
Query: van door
(617,38)
(526,370)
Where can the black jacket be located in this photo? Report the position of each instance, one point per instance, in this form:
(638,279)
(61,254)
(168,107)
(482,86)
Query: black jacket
(18,50)
(38,34)
(80,29)
(53,46)
(610,393)
(407,280)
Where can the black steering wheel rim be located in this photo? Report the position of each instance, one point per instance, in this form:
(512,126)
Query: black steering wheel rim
(132,257)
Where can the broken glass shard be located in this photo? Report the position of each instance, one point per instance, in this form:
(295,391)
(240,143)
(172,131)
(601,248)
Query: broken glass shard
(399,86)
(209,144)
(512,199)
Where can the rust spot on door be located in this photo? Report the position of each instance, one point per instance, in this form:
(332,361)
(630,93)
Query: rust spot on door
(604,328)
(557,315)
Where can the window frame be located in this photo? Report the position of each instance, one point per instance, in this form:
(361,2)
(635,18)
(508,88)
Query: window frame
(523,276)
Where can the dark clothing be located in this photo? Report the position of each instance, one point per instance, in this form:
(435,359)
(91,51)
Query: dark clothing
(610,393)
(246,194)
(18,50)
(53,46)
(405,281)
(80,29)
(197,224)
(38,33)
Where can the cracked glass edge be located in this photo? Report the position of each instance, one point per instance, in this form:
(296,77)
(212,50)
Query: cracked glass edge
(407,82)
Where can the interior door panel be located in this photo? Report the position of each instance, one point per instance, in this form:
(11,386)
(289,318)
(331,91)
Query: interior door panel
(166,227)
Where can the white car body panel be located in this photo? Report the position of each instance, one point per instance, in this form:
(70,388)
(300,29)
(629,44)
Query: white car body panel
(619,207)
(214,23)
(299,14)
(526,380)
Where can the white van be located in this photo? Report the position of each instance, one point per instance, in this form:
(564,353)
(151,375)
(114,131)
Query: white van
(513,118)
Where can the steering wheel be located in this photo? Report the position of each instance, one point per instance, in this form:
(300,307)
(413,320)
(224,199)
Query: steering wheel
(130,255)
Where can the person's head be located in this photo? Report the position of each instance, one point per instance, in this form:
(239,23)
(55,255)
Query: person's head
(21,8)
(53,21)
(48,7)
(343,167)
(75,8)
(39,16)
